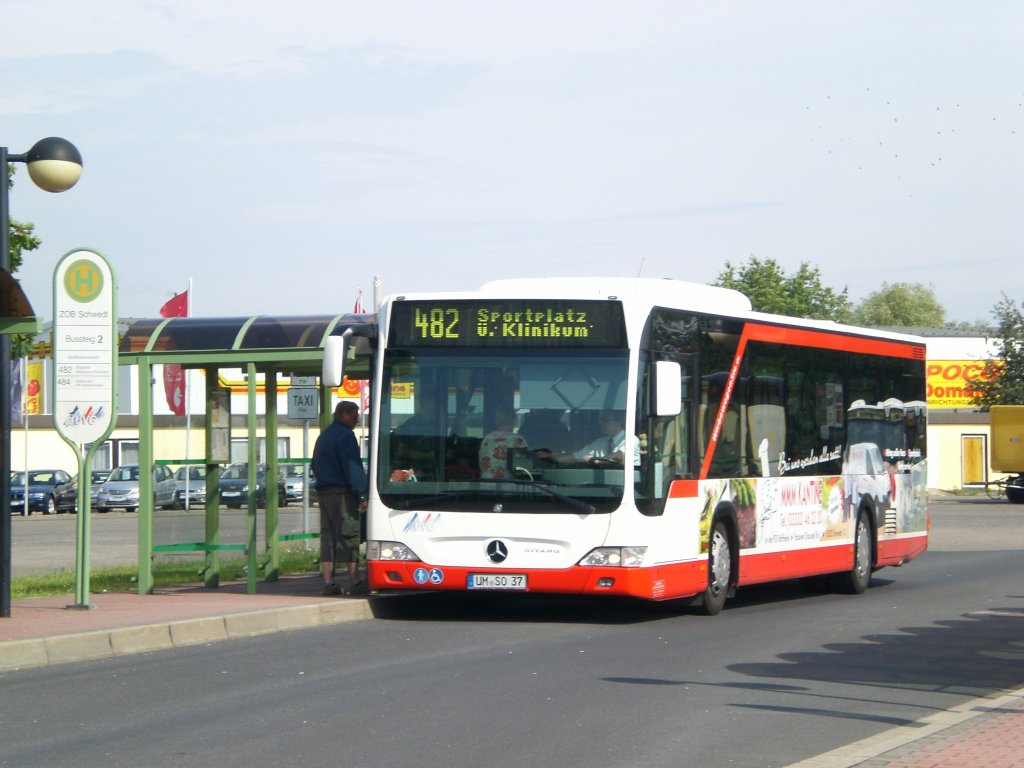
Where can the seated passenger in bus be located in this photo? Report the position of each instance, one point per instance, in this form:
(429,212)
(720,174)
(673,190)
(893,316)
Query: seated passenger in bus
(418,443)
(498,444)
(607,449)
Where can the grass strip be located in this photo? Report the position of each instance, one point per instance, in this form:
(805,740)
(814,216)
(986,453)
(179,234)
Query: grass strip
(124,578)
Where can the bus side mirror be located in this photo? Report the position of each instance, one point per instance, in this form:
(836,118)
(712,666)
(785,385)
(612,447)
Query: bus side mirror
(668,388)
(335,351)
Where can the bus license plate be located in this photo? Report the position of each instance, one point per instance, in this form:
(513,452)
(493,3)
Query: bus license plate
(496,581)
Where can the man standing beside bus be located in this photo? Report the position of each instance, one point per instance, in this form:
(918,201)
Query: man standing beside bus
(341,493)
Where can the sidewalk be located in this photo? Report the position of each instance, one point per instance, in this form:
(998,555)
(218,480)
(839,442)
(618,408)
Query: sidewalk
(42,631)
(983,733)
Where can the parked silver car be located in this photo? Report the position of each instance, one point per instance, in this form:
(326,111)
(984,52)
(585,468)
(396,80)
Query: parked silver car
(295,478)
(96,479)
(196,486)
(121,489)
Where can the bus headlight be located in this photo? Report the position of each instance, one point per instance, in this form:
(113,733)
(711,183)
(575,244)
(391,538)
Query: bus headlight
(626,557)
(389,550)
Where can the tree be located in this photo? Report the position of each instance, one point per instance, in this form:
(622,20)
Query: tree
(20,240)
(901,304)
(799,295)
(1002,382)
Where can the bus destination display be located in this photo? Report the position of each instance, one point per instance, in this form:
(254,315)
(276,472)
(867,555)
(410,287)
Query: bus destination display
(507,323)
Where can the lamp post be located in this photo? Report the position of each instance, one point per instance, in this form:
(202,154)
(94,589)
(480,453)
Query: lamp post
(54,165)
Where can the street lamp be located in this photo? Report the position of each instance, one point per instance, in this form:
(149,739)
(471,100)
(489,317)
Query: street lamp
(54,165)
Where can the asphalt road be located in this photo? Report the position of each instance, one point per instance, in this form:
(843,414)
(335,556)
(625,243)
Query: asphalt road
(440,680)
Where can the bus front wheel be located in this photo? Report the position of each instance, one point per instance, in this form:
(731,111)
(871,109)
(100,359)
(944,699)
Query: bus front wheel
(720,557)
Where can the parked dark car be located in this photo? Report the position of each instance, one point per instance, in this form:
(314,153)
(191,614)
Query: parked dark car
(234,486)
(49,491)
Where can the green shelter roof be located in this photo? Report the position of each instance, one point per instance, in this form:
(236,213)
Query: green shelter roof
(281,343)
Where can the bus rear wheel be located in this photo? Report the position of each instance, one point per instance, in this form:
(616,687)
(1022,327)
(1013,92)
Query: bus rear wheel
(855,581)
(720,557)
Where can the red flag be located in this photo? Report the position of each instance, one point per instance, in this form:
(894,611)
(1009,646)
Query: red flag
(174,377)
(174,388)
(364,389)
(176,307)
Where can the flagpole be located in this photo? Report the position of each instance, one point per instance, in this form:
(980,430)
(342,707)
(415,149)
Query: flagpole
(362,384)
(24,420)
(188,411)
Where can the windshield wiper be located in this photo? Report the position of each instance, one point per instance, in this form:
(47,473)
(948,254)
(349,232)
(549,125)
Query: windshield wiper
(572,501)
(414,501)
(417,501)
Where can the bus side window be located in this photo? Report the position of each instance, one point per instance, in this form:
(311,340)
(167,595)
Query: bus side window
(766,423)
(728,457)
(675,453)
(664,442)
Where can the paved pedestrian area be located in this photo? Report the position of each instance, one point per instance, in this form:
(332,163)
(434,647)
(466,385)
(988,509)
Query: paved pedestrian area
(44,631)
(987,732)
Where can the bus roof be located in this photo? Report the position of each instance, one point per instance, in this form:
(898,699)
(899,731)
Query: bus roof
(831,325)
(666,292)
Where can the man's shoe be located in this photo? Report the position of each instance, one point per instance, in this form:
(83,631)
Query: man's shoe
(331,589)
(359,588)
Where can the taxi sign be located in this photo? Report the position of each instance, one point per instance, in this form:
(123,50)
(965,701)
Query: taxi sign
(303,403)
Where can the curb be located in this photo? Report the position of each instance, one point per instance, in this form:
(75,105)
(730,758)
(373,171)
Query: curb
(874,746)
(122,641)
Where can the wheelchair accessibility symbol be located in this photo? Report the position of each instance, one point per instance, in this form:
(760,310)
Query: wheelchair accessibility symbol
(433,576)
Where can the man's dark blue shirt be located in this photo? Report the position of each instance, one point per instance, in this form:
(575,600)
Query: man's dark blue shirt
(336,460)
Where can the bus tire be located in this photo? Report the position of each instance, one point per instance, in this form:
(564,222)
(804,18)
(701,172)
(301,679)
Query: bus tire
(720,558)
(855,581)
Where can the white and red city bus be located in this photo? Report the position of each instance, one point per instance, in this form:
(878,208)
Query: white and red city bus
(753,447)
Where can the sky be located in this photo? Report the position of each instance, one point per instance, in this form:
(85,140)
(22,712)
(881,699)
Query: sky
(283,154)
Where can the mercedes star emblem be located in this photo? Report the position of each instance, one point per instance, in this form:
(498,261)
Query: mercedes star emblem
(497,551)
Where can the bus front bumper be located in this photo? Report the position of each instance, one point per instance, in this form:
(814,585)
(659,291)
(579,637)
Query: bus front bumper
(665,582)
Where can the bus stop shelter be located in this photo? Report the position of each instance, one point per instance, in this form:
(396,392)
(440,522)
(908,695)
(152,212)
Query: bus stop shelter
(272,346)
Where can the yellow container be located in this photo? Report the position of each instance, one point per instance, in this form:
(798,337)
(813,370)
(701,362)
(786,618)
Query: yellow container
(1007,438)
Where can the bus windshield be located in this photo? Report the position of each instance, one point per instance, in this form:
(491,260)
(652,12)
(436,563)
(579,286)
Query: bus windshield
(502,430)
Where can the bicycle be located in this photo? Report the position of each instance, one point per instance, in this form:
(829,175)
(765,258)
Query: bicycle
(1011,487)
(995,489)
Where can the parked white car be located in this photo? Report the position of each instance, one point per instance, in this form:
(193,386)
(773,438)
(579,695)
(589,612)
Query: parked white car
(196,486)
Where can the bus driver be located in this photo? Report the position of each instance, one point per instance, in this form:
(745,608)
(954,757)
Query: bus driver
(607,449)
